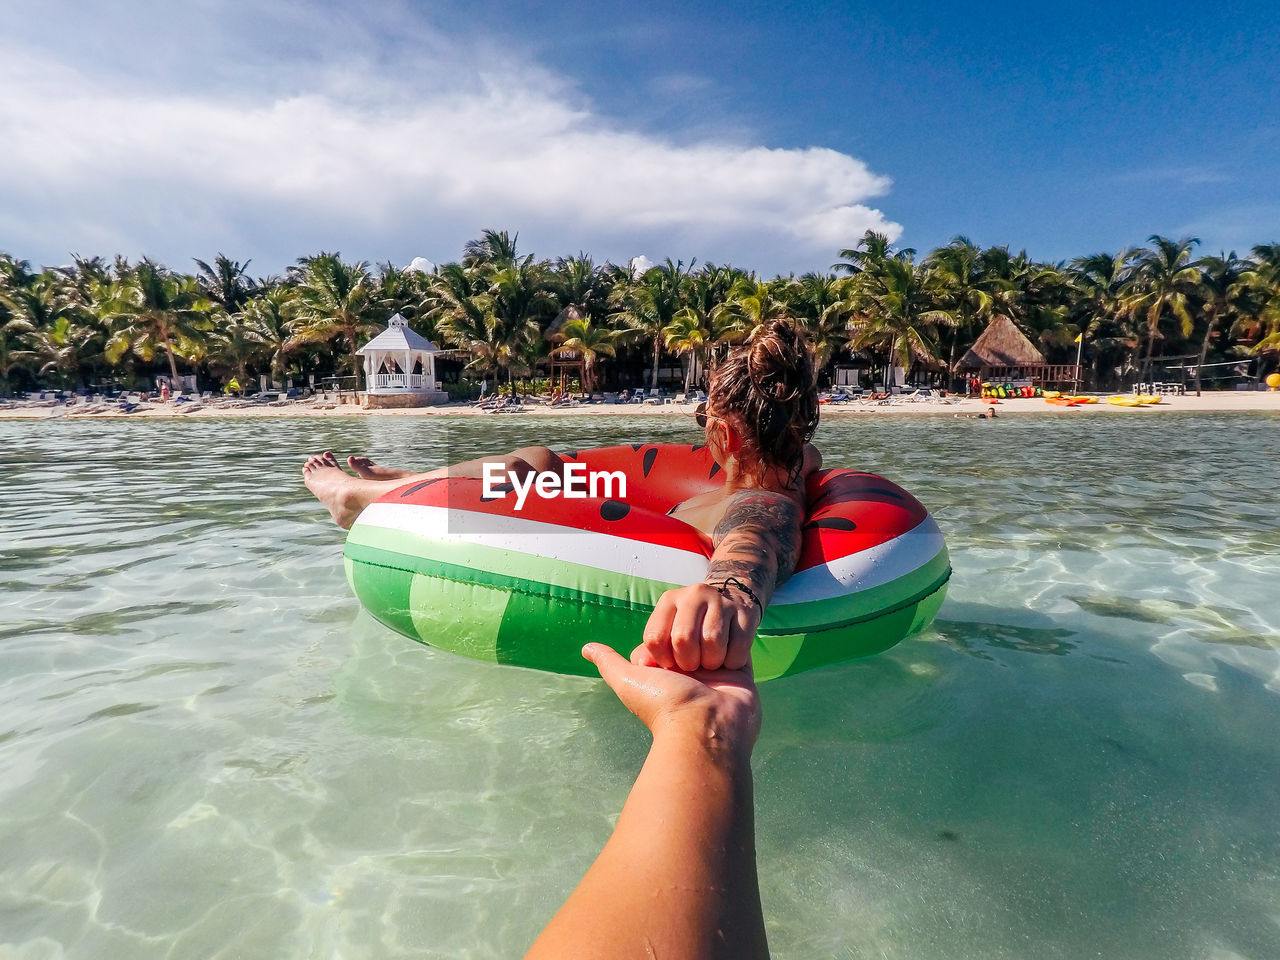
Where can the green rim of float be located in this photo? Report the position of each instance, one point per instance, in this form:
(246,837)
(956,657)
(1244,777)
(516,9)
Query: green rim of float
(440,564)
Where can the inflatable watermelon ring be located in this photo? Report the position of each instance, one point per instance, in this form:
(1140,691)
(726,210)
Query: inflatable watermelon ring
(440,563)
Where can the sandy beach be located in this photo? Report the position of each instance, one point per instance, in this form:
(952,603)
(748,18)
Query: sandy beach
(1218,402)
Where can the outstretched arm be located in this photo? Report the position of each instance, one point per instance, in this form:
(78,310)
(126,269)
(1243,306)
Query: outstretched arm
(712,624)
(678,876)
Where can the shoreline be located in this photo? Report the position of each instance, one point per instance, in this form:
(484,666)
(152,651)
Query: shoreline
(1221,402)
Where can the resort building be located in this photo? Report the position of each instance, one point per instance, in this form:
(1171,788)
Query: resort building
(400,369)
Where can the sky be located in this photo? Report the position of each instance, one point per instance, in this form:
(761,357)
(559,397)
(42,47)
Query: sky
(768,135)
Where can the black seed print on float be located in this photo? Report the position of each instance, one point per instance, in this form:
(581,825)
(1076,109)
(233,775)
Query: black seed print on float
(832,523)
(650,455)
(715,468)
(409,491)
(502,488)
(614,509)
(880,491)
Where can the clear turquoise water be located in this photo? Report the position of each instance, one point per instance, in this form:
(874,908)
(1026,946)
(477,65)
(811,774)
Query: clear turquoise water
(207,750)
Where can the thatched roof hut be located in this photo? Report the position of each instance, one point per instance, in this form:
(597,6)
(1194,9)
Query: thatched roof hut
(1001,345)
(554,328)
(1004,353)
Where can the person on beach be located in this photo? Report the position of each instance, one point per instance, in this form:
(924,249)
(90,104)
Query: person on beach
(759,417)
(678,876)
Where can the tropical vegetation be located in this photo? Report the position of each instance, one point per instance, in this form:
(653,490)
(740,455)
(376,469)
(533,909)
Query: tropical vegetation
(509,315)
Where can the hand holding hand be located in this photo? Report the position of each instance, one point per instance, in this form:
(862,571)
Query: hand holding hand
(699,627)
(722,701)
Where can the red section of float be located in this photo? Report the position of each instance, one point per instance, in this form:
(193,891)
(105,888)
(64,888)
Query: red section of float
(848,511)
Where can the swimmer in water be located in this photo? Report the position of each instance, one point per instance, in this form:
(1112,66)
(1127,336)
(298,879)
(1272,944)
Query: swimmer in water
(761,412)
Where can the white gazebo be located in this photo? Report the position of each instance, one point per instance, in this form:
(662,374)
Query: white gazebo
(400,368)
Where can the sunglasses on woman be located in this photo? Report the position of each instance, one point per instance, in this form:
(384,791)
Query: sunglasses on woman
(701,416)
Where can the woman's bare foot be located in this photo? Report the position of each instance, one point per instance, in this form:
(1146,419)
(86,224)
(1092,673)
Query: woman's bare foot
(364,467)
(332,487)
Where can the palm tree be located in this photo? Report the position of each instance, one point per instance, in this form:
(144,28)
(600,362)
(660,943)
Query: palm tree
(460,308)
(270,314)
(226,284)
(705,293)
(521,295)
(821,311)
(14,273)
(63,346)
(589,341)
(752,303)
(151,309)
(235,343)
(1263,278)
(65,332)
(872,251)
(334,300)
(1225,295)
(893,311)
(1100,315)
(493,313)
(961,291)
(494,248)
(578,282)
(1163,282)
(650,304)
(39,302)
(406,292)
(13,341)
(686,335)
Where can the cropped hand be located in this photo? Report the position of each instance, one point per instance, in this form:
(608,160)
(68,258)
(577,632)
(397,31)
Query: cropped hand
(699,628)
(724,701)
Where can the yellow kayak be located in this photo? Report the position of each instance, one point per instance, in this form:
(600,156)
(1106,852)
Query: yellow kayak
(1141,400)
(1052,394)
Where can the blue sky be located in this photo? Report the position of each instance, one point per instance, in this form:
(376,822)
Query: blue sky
(763,134)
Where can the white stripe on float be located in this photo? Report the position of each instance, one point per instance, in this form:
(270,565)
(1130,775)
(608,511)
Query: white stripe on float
(550,541)
(865,569)
(836,578)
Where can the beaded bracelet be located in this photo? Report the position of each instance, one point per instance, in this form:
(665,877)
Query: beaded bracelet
(728,582)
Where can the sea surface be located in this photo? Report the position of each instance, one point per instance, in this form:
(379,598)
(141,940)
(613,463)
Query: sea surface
(208,750)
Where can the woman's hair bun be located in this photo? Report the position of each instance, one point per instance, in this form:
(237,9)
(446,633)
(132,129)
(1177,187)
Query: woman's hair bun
(769,384)
(779,363)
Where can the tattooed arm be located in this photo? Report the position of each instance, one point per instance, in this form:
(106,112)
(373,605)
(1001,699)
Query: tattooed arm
(712,624)
(757,542)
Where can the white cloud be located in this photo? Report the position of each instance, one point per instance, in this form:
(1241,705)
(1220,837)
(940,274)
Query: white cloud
(1185,176)
(405,154)
(639,265)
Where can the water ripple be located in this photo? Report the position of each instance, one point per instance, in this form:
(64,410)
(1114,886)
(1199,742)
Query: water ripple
(207,749)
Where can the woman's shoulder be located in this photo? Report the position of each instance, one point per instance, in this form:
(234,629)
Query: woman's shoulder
(810,464)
